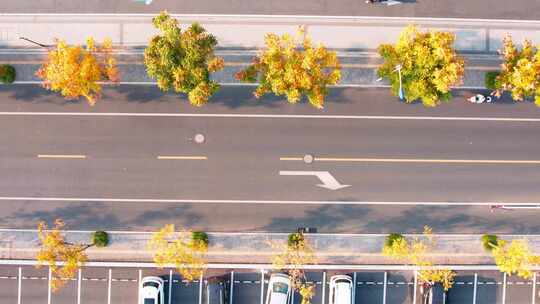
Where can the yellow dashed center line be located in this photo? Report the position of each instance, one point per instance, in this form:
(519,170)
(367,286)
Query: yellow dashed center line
(174,157)
(417,160)
(73,156)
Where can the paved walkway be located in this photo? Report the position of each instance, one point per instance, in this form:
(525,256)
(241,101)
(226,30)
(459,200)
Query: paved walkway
(238,32)
(500,9)
(233,247)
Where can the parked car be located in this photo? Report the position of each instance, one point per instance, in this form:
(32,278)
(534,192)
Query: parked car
(216,291)
(279,289)
(151,291)
(433,294)
(340,290)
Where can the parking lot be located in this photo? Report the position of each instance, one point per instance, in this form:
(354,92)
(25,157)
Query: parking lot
(119,285)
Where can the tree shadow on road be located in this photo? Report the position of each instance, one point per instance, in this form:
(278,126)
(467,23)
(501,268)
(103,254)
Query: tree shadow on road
(402,219)
(327,218)
(77,216)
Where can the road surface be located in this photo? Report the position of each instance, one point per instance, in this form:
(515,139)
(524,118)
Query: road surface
(492,9)
(122,165)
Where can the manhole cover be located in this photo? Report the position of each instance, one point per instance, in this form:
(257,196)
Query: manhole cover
(199,138)
(308,158)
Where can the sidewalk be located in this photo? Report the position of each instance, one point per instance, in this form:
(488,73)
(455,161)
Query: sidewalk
(247,32)
(255,247)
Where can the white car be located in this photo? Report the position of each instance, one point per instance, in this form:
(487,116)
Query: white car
(340,290)
(151,291)
(279,289)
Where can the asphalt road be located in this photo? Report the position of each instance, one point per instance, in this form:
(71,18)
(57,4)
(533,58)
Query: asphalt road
(237,169)
(370,286)
(493,9)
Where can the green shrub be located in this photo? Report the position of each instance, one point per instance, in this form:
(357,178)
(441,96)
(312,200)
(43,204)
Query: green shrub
(294,239)
(391,238)
(489,241)
(100,238)
(7,74)
(490,78)
(200,237)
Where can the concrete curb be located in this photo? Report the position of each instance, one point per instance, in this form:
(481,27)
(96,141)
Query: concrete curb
(356,249)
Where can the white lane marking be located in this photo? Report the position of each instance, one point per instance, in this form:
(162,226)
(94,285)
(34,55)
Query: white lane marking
(417,160)
(328,181)
(178,157)
(315,116)
(275,202)
(73,156)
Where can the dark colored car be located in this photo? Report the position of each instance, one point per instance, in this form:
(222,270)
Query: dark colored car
(216,291)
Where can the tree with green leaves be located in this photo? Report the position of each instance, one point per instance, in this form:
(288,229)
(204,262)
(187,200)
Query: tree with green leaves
(183,60)
(520,71)
(293,67)
(429,65)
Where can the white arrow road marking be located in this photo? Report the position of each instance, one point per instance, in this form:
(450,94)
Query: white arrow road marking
(328,181)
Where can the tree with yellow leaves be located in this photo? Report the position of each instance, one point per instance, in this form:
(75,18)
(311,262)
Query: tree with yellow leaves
(185,249)
(520,71)
(183,60)
(514,257)
(55,248)
(291,257)
(293,67)
(77,71)
(429,65)
(416,251)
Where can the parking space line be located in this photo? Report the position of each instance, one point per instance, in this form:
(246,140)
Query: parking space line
(261,300)
(504,289)
(19,284)
(232,288)
(200,288)
(49,286)
(177,157)
(79,287)
(72,156)
(475,287)
(534,289)
(170,285)
(323,287)
(109,287)
(354,289)
(139,284)
(415,285)
(384,287)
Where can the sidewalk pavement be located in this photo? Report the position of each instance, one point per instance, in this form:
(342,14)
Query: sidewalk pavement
(256,247)
(247,32)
